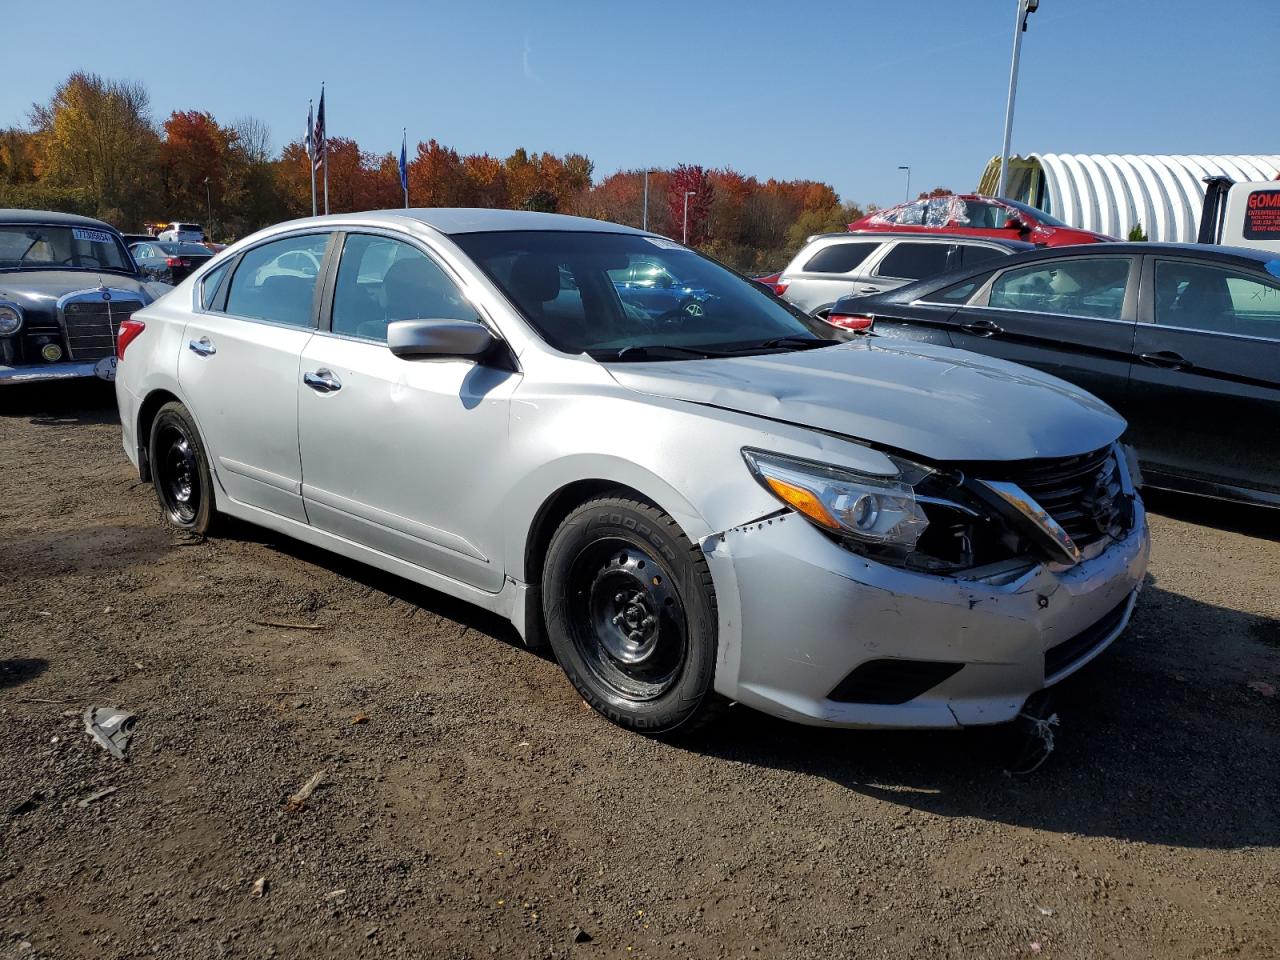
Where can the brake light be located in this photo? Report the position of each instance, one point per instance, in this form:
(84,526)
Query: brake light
(174,262)
(780,287)
(851,321)
(128,332)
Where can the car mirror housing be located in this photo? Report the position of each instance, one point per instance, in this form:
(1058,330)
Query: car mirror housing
(441,339)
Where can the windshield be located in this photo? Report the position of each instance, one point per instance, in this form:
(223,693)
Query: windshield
(1036,212)
(631,297)
(25,245)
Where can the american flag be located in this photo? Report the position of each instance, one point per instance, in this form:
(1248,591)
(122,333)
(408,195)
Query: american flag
(319,142)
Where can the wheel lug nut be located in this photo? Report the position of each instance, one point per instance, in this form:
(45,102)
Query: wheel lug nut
(617,620)
(649,621)
(619,598)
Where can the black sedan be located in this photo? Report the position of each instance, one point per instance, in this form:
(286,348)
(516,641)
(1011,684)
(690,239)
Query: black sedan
(169,261)
(1182,339)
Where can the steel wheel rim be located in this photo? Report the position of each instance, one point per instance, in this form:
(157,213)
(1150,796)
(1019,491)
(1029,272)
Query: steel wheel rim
(178,475)
(627,619)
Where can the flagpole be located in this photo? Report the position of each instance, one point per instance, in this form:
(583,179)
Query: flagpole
(311,157)
(404,150)
(326,156)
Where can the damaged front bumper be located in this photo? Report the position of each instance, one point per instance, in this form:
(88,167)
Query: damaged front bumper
(814,633)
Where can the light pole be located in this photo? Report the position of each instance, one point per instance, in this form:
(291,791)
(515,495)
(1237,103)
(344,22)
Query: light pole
(908,169)
(644,217)
(208,199)
(684,236)
(1025,9)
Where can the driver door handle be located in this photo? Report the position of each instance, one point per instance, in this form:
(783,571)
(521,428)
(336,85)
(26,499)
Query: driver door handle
(203,347)
(1166,359)
(982,328)
(322,381)
(868,289)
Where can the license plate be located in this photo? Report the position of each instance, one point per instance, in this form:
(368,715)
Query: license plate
(105,369)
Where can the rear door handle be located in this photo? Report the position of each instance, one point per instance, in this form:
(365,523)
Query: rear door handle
(322,381)
(1166,359)
(982,328)
(868,289)
(204,347)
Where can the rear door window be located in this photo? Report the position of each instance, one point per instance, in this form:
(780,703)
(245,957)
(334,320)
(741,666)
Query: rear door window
(975,254)
(914,261)
(838,257)
(1197,296)
(277,281)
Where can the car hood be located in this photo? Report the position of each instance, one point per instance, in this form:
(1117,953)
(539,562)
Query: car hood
(40,288)
(935,402)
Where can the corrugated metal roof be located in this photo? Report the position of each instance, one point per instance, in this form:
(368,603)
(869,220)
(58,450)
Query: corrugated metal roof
(1110,193)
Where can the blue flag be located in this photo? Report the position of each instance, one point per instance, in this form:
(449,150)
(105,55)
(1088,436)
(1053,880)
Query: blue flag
(404,165)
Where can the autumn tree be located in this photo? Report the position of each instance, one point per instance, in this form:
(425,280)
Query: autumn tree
(690,180)
(96,135)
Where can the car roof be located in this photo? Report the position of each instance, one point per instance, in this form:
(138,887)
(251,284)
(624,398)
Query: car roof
(935,236)
(51,218)
(1244,255)
(456,220)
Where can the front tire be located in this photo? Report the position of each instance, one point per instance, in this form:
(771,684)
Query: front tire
(631,615)
(180,471)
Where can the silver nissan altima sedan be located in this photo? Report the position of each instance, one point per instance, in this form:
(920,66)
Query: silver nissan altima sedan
(647,461)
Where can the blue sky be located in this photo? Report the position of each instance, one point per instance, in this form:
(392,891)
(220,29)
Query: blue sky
(842,91)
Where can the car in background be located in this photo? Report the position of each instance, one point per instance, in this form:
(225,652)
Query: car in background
(834,265)
(131,238)
(182,233)
(973,215)
(66,284)
(1182,339)
(725,507)
(168,261)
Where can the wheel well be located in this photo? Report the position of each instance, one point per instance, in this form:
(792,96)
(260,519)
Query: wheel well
(146,416)
(552,513)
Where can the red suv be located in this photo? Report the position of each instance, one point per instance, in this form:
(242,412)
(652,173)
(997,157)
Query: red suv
(980,216)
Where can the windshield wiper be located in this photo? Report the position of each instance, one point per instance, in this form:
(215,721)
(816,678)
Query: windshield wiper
(657,351)
(799,343)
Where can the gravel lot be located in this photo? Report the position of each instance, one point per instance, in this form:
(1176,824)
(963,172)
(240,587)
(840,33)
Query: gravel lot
(478,809)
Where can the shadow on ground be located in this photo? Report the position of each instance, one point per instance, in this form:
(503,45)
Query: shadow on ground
(60,402)
(21,669)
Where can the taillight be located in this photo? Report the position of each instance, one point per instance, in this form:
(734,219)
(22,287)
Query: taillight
(851,321)
(780,287)
(174,262)
(128,332)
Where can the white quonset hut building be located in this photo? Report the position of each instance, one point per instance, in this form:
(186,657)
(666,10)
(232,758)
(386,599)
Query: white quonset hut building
(1111,193)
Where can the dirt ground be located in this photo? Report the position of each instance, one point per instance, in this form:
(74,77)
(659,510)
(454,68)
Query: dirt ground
(477,809)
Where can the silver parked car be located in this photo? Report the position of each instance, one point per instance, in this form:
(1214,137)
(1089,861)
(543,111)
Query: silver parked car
(694,506)
(834,265)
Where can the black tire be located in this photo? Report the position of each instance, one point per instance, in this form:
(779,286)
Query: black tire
(180,471)
(631,616)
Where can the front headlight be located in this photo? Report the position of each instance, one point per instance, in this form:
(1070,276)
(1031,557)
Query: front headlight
(10,319)
(873,509)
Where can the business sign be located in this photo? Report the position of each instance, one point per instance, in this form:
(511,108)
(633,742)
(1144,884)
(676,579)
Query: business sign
(1262,215)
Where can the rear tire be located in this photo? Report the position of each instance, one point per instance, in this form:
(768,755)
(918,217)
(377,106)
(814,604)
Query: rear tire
(180,471)
(631,616)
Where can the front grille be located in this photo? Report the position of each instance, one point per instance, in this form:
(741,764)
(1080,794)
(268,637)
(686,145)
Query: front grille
(91,326)
(1082,493)
(891,681)
(1058,658)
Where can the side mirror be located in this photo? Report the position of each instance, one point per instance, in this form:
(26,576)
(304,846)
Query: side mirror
(441,339)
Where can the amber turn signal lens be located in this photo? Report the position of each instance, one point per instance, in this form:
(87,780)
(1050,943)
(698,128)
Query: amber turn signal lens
(802,500)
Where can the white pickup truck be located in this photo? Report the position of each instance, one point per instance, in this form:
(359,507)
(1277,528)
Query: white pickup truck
(1241,214)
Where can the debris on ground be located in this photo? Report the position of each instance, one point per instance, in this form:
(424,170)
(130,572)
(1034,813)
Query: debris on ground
(338,894)
(1262,687)
(259,887)
(1034,726)
(111,728)
(298,801)
(289,626)
(359,718)
(91,798)
(579,935)
(27,805)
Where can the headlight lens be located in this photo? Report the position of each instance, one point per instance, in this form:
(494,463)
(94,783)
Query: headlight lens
(10,319)
(870,508)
